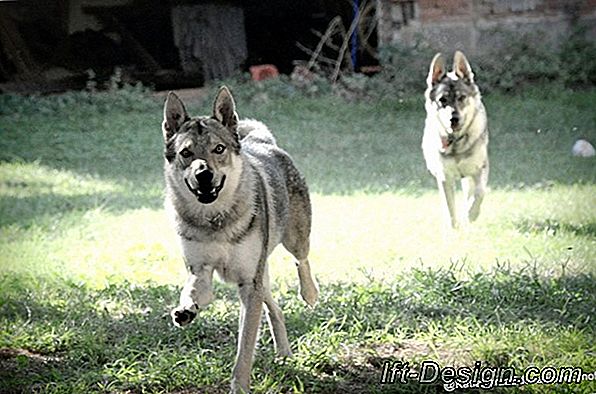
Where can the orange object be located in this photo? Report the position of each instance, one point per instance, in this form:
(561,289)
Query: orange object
(263,71)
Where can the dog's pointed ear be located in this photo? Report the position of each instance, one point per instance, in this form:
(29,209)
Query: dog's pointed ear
(174,114)
(437,70)
(462,67)
(224,108)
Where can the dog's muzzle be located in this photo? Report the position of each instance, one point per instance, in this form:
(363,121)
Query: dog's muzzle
(205,192)
(455,121)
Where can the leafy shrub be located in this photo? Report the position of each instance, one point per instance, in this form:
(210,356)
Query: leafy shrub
(406,68)
(528,59)
(261,92)
(126,98)
(521,60)
(577,58)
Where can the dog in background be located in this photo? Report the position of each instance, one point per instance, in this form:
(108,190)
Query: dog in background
(234,195)
(455,137)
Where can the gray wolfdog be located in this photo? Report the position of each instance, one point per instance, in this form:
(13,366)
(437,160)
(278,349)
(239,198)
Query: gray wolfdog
(234,195)
(455,137)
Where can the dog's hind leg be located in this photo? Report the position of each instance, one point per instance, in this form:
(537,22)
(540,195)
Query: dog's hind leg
(309,290)
(468,184)
(296,241)
(251,308)
(474,189)
(276,321)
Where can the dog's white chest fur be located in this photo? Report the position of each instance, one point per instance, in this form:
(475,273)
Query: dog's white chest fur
(443,165)
(235,264)
(453,167)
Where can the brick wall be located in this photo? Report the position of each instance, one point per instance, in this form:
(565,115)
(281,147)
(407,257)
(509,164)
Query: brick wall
(474,25)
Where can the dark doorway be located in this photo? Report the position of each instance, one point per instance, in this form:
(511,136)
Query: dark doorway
(273,28)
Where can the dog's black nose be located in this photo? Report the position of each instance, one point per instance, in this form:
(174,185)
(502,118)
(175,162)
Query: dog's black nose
(454,119)
(204,177)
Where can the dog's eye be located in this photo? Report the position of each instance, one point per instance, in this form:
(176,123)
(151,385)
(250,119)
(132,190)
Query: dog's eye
(443,101)
(461,98)
(219,149)
(186,153)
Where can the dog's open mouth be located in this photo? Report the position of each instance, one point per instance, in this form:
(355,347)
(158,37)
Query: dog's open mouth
(206,196)
(450,139)
(447,140)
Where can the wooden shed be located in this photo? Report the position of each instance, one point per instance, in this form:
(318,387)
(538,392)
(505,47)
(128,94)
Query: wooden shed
(50,46)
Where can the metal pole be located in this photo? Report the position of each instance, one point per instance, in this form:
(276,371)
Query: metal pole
(354,38)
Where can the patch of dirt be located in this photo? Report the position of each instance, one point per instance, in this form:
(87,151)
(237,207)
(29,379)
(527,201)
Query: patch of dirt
(203,390)
(8,354)
(372,356)
(21,365)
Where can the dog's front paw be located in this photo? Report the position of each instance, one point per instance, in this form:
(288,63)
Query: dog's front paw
(310,293)
(182,316)
(239,388)
(282,355)
(473,213)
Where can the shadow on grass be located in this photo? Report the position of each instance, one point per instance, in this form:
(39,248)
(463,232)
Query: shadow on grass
(29,210)
(142,352)
(350,148)
(66,336)
(552,227)
(344,172)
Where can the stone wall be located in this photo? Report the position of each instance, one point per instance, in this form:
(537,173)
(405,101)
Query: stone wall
(476,26)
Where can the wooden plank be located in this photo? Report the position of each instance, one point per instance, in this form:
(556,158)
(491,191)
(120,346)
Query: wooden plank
(210,38)
(17,50)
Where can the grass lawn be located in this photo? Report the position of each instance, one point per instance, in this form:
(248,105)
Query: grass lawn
(90,267)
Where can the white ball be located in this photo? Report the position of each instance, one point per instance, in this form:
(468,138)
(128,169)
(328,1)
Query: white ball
(583,148)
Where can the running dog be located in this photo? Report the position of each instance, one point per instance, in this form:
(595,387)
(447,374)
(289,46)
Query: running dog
(234,195)
(455,137)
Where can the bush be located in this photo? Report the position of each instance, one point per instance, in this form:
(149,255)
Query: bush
(528,60)
(124,99)
(577,59)
(521,60)
(405,68)
(246,90)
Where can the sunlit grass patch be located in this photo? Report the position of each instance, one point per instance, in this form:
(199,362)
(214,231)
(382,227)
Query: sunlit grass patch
(100,248)
(22,179)
(36,195)
(355,237)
